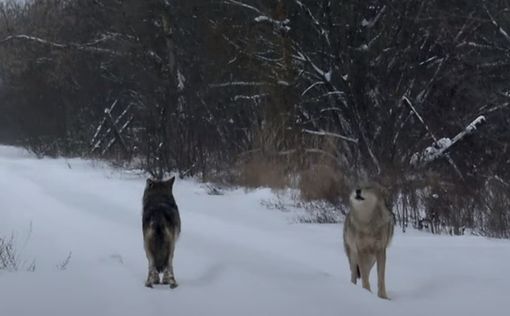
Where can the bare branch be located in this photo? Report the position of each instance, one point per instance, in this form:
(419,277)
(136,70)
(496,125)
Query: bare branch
(441,146)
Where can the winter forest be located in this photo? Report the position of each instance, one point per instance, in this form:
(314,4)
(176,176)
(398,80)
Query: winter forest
(300,94)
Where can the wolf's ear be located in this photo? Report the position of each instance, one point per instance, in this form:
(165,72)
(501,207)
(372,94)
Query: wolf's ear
(149,182)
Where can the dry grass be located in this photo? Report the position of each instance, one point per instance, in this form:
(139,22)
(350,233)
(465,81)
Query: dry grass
(8,257)
(10,260)
(256,173)
(323,182)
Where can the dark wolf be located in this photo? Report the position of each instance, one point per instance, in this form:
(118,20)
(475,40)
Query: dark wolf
(161,225)
(368,230)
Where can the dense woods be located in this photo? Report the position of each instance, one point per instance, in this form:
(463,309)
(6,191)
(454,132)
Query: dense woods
(313,95)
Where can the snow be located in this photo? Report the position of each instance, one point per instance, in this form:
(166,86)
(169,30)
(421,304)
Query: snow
(436,148)
(234,257)
(181,80)
(328,74)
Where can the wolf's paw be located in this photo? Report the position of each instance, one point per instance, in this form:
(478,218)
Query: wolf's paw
(153,278)
(383,295)
(168,278)
(170,281)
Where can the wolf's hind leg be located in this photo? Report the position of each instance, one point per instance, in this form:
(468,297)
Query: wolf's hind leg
(153,275)
(168,277)
(168,273)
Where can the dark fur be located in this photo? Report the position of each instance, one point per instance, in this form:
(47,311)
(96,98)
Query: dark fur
(161,225)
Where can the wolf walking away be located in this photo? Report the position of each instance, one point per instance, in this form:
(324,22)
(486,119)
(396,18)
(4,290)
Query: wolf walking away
(368,230)
(161,226)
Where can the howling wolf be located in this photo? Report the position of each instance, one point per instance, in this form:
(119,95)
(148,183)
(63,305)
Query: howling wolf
(368,230)
(161,225)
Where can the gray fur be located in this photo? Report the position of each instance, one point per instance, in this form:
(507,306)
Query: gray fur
(161,226)
(368,230)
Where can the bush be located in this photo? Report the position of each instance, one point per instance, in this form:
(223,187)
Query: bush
(256,173)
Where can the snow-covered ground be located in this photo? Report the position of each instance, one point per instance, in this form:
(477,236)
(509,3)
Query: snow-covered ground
(234,257)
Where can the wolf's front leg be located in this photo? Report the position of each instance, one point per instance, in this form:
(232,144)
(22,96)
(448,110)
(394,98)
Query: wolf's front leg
(364,267)
(381,266)
(353,263)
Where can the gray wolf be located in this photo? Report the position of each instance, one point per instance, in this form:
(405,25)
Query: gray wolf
(368,230)
(161,226)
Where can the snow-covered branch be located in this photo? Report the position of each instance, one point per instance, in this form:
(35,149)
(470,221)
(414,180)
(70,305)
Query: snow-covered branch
(315,22)
(279,25)
(416,159)
(244,5)
(370,24)
(420,118)
(240,84)
(496,24)
(108,36)
(250,97)
(77,46)
(320,74)
(441,146)
(324,133)
(96,142)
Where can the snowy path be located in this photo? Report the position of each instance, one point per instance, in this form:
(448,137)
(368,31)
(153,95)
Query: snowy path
(234,257)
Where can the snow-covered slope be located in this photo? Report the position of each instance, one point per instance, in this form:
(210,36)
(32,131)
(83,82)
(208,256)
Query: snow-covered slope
(235,257)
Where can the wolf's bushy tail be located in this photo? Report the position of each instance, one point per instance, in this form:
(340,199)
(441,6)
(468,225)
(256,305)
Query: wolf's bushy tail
(161,242)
